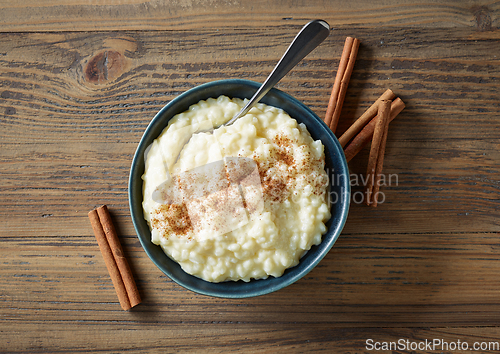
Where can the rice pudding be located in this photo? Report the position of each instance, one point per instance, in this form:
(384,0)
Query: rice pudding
(241,202)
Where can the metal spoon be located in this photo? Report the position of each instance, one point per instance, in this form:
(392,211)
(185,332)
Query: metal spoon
(309,37)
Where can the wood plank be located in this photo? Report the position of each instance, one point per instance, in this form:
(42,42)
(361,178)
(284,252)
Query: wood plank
(79,83)
(446,162)
(64,15)
(423,265)
(413,281)
(243,338)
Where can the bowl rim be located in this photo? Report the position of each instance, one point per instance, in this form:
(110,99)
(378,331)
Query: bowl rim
(279,282)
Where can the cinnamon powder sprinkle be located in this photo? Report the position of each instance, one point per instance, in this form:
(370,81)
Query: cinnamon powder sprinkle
(172,218)
(284,151)
(275,190)
(278,175)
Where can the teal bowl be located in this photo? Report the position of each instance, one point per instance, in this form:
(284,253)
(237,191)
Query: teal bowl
(335,165)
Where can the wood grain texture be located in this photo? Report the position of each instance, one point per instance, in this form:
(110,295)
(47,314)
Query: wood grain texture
(66,15)
(233,337)
(436,159)
(76,96)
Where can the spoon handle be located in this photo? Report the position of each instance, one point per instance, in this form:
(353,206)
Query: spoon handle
(309,37)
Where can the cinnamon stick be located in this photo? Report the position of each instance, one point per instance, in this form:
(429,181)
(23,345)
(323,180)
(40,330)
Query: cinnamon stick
(378,168)
(380,131)
(365,135)
(344,59)
(346,66)
(114,259)
(368,115)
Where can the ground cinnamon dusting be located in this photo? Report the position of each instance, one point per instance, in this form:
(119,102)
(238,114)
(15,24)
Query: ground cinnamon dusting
(278,175)
(275,189)
(283,152)
(172,218)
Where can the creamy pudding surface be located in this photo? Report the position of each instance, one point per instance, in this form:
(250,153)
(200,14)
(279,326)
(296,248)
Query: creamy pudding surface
(240,202)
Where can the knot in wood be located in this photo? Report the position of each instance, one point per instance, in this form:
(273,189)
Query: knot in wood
(104,67)
(482,17)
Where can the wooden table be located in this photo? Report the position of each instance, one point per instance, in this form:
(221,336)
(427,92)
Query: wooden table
(80,81)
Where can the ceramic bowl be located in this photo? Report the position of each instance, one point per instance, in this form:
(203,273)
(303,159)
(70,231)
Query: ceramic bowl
(335,165)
